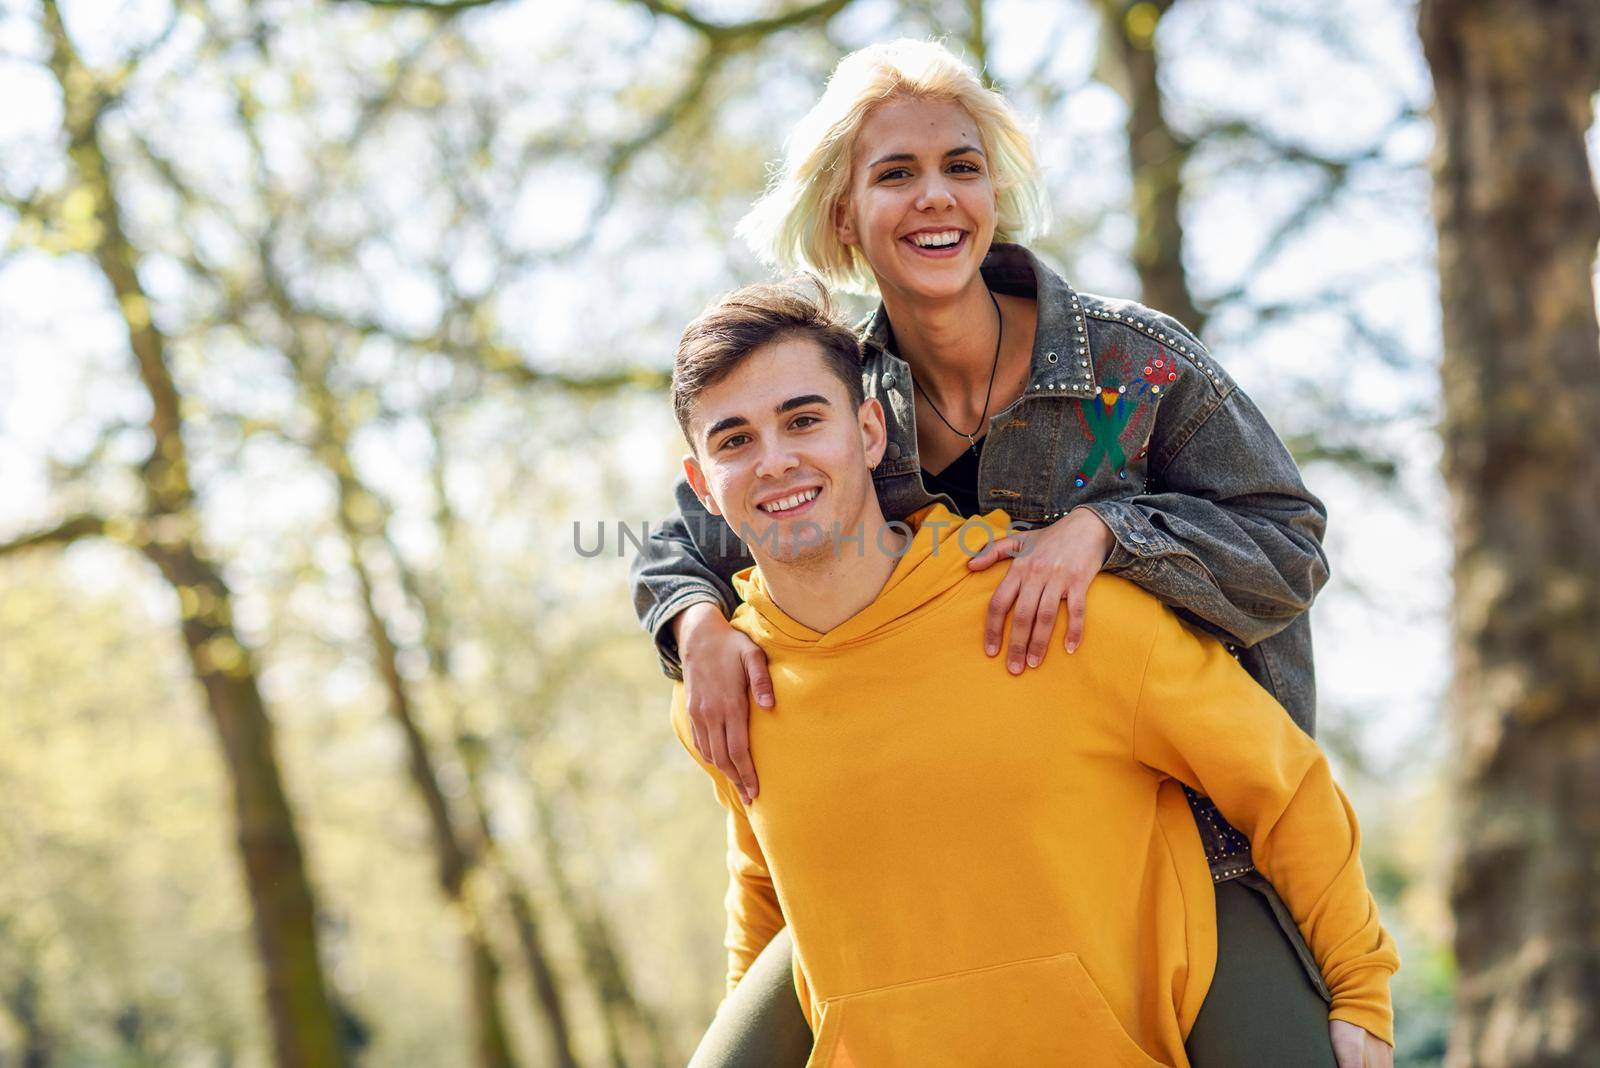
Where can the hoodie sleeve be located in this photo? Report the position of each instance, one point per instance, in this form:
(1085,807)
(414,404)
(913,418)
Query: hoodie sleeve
(754,916)
(1202,720)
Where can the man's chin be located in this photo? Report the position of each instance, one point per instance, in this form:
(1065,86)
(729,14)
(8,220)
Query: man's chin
(801,555)
(791,542)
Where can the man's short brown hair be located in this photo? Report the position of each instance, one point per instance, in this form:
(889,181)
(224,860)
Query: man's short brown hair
(727,332)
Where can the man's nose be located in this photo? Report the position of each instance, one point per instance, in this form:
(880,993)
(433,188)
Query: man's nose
(776,458)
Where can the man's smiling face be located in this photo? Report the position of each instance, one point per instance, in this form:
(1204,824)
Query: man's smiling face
(782,453)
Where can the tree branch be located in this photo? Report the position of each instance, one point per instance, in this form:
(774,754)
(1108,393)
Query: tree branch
(166,473)
(500,360)
(1336,172)
(24,206)
(621,156)
(1289,152)
(442,7)
(722,32)
(729,32)
(125,70)
(1288,227)
(1310,448)
(64,533)
(1336,299)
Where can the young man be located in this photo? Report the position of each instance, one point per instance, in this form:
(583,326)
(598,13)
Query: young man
(978,868)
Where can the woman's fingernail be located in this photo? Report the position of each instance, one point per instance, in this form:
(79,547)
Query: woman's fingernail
(992,648)
(1015,666)
(765,700)
(1033,660)
(1072,647)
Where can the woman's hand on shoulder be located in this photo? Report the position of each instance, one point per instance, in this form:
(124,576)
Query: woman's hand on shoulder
(721,667)
(1048,566)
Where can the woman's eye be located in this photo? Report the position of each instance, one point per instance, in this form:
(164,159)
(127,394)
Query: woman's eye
(965,167)
(895,173)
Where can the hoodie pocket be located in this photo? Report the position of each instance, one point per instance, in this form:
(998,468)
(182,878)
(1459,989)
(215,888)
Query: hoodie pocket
(1046,1011)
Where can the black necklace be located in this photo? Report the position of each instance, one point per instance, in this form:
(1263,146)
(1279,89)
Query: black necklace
(1000,334)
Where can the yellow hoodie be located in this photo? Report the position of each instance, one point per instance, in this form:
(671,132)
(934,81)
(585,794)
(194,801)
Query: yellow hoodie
(984,869)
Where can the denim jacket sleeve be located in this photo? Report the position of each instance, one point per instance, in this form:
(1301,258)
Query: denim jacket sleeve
(689,558)
(1225,528)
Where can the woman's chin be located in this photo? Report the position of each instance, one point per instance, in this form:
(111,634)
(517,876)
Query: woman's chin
(944,284)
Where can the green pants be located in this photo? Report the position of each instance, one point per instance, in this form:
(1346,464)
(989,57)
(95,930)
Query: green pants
(1263,1008)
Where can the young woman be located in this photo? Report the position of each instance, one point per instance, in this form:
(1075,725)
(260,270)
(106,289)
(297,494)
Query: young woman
(1103,429)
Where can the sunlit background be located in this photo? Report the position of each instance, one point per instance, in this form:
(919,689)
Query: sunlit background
(417,280)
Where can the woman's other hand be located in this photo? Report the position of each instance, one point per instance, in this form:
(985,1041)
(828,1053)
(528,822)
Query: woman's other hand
(1355,1048)
(1049,566)
(721,666)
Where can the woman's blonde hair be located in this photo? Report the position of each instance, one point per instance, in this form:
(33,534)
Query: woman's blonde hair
(791,226)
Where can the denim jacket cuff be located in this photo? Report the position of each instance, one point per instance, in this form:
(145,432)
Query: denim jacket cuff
(1137,539)
(658,621)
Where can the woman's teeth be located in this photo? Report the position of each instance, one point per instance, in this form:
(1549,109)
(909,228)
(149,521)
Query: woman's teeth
(790,502)
(939,240)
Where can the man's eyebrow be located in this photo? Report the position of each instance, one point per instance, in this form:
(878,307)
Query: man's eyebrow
(907,157)
(725,424)
(787,406)
(800,402)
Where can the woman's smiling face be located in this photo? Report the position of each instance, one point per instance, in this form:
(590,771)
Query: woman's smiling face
(921,205)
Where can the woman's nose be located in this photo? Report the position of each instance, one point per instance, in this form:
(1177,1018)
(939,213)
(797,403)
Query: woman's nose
(936,195)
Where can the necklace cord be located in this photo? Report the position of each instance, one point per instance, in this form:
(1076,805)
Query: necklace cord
(1000,333)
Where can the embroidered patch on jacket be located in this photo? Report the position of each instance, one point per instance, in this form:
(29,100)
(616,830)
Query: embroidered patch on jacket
(1126,385)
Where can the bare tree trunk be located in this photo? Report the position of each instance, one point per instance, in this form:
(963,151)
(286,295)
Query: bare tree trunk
(453,856)
(1156,155)
(626,1024)
(304,1026)
(1518,224)
(22,1001)
(491,1045)
(546,988)
(359,516)
(623,1013)
(530,939)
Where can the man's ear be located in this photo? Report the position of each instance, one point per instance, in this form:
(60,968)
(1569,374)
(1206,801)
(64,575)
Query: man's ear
(697,482)
(874,430)
(844,225)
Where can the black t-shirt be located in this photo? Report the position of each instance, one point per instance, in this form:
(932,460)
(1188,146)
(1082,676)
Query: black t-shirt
(959,480)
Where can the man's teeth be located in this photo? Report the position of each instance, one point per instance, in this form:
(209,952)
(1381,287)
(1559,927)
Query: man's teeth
(941,240)
(790,502)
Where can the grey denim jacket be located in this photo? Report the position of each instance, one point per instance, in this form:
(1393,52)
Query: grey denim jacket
(1125,413)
